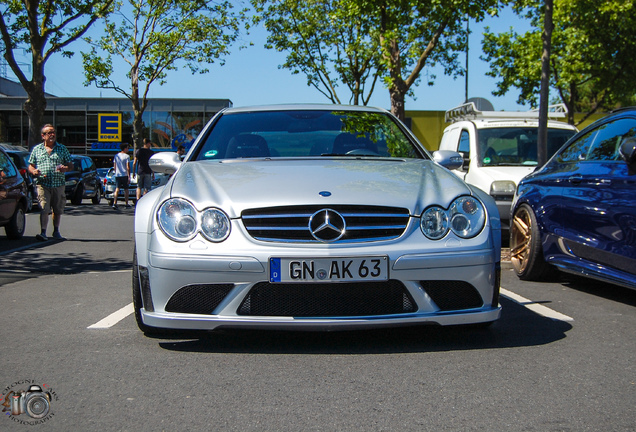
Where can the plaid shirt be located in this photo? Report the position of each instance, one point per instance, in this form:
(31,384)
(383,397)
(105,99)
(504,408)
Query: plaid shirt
(47,164)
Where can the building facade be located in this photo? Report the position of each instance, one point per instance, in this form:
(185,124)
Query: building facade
(97,126)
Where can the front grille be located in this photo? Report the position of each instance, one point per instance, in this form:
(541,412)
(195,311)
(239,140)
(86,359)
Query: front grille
(198,299)
(453,295)
(328,300)
(291,224)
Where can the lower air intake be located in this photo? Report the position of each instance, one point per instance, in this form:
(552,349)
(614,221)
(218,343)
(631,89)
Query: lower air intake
(328,300)
(198,299)
(453,295)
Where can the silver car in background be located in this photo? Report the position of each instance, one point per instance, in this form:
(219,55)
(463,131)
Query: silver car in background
(317,217)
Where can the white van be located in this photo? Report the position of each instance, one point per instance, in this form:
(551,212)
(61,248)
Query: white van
(500,147)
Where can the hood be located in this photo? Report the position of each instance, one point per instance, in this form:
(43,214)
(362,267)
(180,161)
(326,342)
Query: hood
(239,184)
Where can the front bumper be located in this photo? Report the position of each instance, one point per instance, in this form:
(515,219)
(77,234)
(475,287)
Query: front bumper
(166,274)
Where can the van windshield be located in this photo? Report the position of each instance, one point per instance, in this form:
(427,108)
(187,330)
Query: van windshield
(516,145)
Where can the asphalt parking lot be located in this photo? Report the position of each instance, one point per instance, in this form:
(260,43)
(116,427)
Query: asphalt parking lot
(559,359)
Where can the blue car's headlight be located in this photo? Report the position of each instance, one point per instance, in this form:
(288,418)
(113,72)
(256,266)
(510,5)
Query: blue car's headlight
(180,221)
(465,217)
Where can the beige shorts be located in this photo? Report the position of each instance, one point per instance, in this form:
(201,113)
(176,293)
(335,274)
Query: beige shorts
(52,199)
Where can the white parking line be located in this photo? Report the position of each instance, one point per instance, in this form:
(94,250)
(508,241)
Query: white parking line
(113,318)
(535,307)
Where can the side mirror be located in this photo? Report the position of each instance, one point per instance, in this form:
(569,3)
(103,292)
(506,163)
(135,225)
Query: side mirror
(627,150)
(165,162)
(448,159)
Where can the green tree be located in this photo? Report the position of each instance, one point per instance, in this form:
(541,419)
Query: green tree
(418,33)
(395,38)
(327,40)
(592,65)
(152,38)
(43,28)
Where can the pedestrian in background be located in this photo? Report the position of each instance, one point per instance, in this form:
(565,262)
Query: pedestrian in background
(181,151)
(121,163)
(48,163)
(145,176)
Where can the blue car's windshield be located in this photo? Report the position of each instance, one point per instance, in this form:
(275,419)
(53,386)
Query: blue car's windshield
(311,133)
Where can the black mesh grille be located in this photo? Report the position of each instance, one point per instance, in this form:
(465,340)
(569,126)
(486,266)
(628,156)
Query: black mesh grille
(453,295)
(332,299)
(198,299)
(291,224)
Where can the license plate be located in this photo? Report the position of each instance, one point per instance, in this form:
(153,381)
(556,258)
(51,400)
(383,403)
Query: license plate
(328,269)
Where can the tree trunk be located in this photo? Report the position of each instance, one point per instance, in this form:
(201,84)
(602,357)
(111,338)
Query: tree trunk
(35,105)
(397,103)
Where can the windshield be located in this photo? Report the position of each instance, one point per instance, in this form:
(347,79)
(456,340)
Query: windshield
(516,145)
(311,133)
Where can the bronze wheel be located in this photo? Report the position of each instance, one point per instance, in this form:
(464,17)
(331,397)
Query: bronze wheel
(526,253)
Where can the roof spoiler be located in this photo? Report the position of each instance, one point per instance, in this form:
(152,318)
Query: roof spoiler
(469,111)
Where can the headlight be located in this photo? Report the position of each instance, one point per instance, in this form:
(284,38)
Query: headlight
(177,219)
(180,221)
(434,223)
(215,225)
(502,187)
(465,217)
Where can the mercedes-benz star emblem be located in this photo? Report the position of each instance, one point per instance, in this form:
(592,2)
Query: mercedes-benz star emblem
(327,225)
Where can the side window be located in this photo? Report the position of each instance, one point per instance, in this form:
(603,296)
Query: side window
(577,150)
(6,166)
(464,143)
(609,138)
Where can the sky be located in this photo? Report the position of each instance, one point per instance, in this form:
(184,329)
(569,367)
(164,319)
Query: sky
(251,76)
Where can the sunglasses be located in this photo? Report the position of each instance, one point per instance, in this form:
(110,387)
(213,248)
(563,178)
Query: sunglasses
(48,133)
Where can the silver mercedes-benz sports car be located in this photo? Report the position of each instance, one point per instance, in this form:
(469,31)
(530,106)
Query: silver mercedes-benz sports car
(317,217)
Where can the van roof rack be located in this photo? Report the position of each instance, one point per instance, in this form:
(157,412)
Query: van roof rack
(469,111)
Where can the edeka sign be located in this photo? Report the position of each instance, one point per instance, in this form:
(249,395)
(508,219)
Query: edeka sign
(109,127)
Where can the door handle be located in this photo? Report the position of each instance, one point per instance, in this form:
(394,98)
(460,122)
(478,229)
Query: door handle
(576,179)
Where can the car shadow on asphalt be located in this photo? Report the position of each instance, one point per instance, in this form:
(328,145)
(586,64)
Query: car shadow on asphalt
(517,327)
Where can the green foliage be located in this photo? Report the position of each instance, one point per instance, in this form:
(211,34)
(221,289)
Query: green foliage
(153,37)
(395,38)
(43,29)
(328,41)
(592,65)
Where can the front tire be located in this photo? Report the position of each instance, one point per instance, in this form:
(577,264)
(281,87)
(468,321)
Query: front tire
(29,200)
(525,246)
(78,196)
(17,225)
(98,196)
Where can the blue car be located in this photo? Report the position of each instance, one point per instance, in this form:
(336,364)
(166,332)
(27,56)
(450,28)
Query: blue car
(578,212)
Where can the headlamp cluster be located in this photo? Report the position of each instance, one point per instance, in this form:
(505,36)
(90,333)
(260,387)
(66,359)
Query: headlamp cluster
(180,221)
(465,217)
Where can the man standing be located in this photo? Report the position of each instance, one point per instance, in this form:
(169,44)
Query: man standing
(144,174)
(48,163)
(121,163)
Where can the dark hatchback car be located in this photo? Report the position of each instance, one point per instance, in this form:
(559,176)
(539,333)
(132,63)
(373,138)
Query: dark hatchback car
(20,157)
(578,212)
(13,198)
(83,181)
